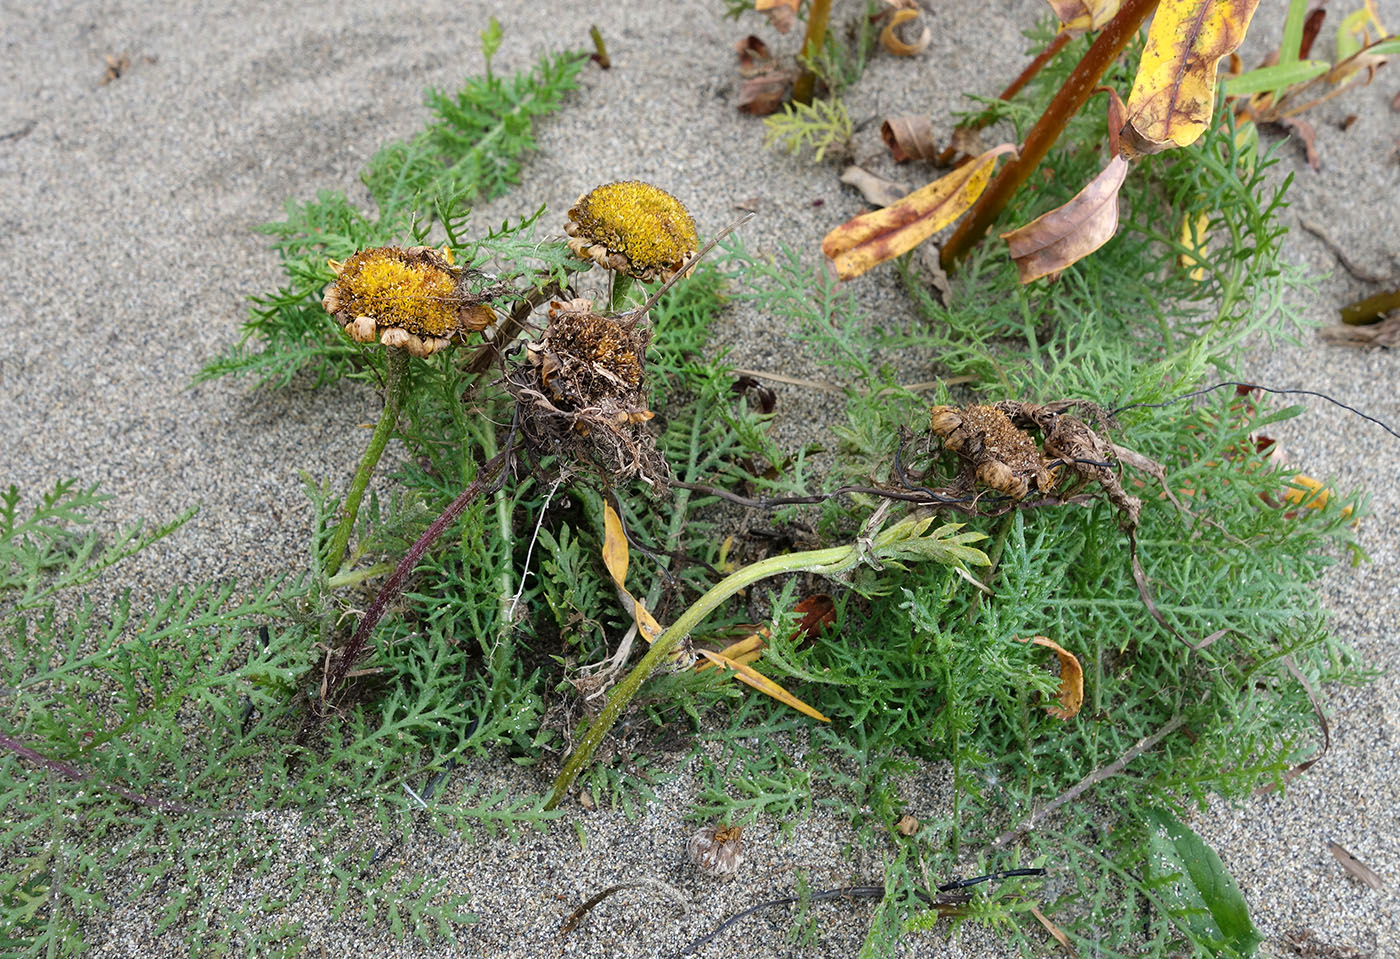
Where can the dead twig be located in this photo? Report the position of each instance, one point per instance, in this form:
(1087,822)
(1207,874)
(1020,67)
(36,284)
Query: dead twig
(1097,776)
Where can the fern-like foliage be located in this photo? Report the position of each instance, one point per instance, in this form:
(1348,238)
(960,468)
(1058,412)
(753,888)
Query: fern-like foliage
(818,126)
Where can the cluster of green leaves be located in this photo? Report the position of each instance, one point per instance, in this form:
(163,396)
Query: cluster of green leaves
(936,672)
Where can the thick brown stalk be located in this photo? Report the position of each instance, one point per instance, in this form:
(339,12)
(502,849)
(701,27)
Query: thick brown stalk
(806,83)
(1071,98)
(355,649)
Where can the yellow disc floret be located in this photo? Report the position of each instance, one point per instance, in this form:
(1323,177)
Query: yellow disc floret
(401,288)
(634,228)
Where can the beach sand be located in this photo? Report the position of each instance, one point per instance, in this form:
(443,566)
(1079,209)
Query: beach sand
(126,216)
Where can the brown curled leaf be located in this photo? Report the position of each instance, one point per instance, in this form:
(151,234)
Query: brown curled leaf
(872,238)
(1054,240)
(877,191)
(754,55)
(1303,130)
(909,137)
(782,14)
(1054,930)
(1174,91)
(1071,679)
(764,93)
(894,43)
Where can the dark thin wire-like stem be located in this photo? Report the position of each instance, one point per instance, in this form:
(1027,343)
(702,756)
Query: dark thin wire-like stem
(77,775)
(1266,389)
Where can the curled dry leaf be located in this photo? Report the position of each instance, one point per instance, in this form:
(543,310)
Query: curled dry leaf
(1071,679)
(1174,91)
(754,55)
(909,137)
(907,825)
(872,238)
(877,190)
(1054,240)
(1385,334)
(1355,867)
(782,14)
(891,40)
(1083,16)
(1304,131)
(615,558)
(765,92)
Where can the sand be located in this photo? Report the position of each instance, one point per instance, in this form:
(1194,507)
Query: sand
(126,211)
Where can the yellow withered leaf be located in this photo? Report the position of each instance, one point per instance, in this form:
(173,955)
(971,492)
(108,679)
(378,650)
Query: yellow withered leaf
(1071,679)
(872,238)
(1068,233)
(615,557)
(1174,91)
(752,677)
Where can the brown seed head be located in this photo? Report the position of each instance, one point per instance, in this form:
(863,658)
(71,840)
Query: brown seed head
(717,851)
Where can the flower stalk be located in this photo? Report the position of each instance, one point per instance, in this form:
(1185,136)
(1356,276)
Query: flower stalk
(395,387)
(907,539)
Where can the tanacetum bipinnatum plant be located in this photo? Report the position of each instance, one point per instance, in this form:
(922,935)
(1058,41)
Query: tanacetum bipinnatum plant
(1037,518)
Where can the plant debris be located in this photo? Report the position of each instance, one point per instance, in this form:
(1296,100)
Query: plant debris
(1356,868)
(910,137)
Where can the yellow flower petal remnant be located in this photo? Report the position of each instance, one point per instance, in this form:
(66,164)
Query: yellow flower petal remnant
(634,228)
(409,298)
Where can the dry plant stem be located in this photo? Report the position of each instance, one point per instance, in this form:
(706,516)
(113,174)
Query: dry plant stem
(77,775)
(1067,102)
(806,83)
(824,562)
(395,385)
(1098,775)
(355,649)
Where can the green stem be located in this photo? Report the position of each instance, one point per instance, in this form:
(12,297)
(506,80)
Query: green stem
(824,562)
(827,562)
(1067,102)
(805,86)
(395,386)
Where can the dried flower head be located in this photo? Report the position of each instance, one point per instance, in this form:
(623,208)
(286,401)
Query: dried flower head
(1001,456)
(717,851)
(634,228)
(410,298)
(582,388)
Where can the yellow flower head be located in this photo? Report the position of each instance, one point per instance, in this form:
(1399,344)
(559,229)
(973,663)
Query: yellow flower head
(634,228)
(409,298)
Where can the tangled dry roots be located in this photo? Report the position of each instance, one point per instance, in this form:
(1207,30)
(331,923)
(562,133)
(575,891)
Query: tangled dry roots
(581,389)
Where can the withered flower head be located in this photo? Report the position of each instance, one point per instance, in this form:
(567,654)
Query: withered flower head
(634,228)
(717,851)
(404,297)
(582,386)
(1000,455)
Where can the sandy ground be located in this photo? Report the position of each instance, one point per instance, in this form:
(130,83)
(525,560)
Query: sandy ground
(125,216)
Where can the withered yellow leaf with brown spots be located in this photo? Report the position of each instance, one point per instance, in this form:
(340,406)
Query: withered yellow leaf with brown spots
(872,238)
(1174,91)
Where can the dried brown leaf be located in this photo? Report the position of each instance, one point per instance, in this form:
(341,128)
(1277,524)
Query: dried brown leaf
(909,137)
(765,92)
(1174,90)
(754,55)
(891,40)
(1311,25)
(1306,135)
(1385,334)
(907,825)
(1071,232)
(1071,679)
(877,190)
(1356,868)
(782,14)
